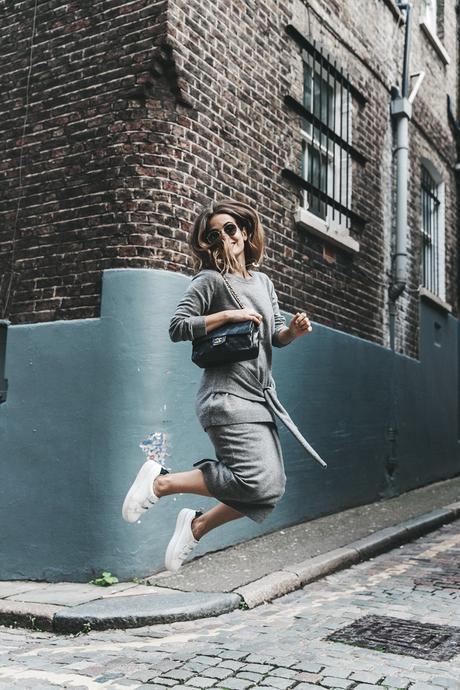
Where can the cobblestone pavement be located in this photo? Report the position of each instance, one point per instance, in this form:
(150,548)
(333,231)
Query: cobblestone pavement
(281,645)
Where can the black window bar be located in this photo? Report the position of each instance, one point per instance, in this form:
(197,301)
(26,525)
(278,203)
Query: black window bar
(327,160)
(430,232)
(326,125)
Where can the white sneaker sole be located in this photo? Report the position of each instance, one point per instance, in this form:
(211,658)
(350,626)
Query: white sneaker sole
(140,491)
(183,525)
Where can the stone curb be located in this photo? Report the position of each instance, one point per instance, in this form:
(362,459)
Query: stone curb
(319,566)
(118,612)
(145,609)
(268,587)
(295,576)
(28,615)
(175,605)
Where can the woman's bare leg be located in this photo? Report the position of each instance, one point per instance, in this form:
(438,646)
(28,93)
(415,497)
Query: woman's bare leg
(191,482)
(215,517)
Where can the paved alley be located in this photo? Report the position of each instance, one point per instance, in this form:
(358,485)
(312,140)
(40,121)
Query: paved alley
(404,605)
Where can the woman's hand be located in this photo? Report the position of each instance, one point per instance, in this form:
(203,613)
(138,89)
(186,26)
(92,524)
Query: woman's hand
(236,315)
(300,324)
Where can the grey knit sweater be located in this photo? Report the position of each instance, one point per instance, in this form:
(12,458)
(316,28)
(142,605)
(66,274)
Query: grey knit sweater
(242,391)
(223,396)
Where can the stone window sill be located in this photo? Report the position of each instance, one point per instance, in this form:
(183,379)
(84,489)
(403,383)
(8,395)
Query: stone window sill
(434,299)
(308,221)
(435,42)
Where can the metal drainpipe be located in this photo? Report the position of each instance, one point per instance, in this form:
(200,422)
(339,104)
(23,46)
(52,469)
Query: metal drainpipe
(401,113)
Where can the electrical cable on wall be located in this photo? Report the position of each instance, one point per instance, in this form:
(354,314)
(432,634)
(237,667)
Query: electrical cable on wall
(21,151)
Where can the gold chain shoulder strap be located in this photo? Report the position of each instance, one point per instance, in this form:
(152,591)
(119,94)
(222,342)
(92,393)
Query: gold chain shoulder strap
(232,292)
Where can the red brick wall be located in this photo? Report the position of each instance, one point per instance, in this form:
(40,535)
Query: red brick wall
(114,179)
(84,142)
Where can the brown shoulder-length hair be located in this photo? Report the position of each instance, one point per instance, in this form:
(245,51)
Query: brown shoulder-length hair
(217,256)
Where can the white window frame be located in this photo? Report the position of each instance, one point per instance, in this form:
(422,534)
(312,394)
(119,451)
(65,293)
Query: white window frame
(441,249)
(429,15)
(429,25)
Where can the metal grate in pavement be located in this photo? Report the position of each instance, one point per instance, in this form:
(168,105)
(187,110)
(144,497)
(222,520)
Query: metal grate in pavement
(398,636)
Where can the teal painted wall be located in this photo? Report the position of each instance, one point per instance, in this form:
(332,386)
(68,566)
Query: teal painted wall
(83,394)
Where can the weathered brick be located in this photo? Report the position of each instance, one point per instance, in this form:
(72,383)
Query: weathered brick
(126,137)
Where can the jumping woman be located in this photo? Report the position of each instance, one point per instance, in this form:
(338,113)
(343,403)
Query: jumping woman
(236,403)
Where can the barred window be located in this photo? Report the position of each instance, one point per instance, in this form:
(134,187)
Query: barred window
(432,235)
(324,182)
(326,163)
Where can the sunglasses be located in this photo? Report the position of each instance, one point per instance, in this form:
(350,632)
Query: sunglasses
(213,236)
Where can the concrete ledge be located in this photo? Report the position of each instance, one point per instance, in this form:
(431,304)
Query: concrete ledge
(429,521)
(299,574)
(454,507)
(138,611)
(405,531)
(28,615)
(268,587)
(130,606)
(379,542)
(319,566)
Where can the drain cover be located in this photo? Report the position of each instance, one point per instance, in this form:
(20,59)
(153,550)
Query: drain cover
(397,636)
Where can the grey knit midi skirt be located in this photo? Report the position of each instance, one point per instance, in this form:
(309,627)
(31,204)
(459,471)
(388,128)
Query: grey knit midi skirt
(248,474)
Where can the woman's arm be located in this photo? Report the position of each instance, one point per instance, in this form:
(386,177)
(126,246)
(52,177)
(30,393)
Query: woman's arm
(220,318)
(189,321)
(300,324)
(213,321)
(279,337)
(283,335)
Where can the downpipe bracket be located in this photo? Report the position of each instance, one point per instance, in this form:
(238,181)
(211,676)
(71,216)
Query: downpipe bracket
(396,289)
(401,107)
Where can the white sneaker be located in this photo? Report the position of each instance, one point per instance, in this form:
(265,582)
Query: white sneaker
(182,541)
(141,497)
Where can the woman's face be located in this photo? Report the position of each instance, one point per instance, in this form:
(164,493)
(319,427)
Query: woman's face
(234,243)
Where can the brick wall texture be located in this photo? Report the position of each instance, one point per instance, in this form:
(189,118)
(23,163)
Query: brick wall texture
(140,112)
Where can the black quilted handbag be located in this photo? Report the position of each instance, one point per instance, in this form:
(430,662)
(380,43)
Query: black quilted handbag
(232,342)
